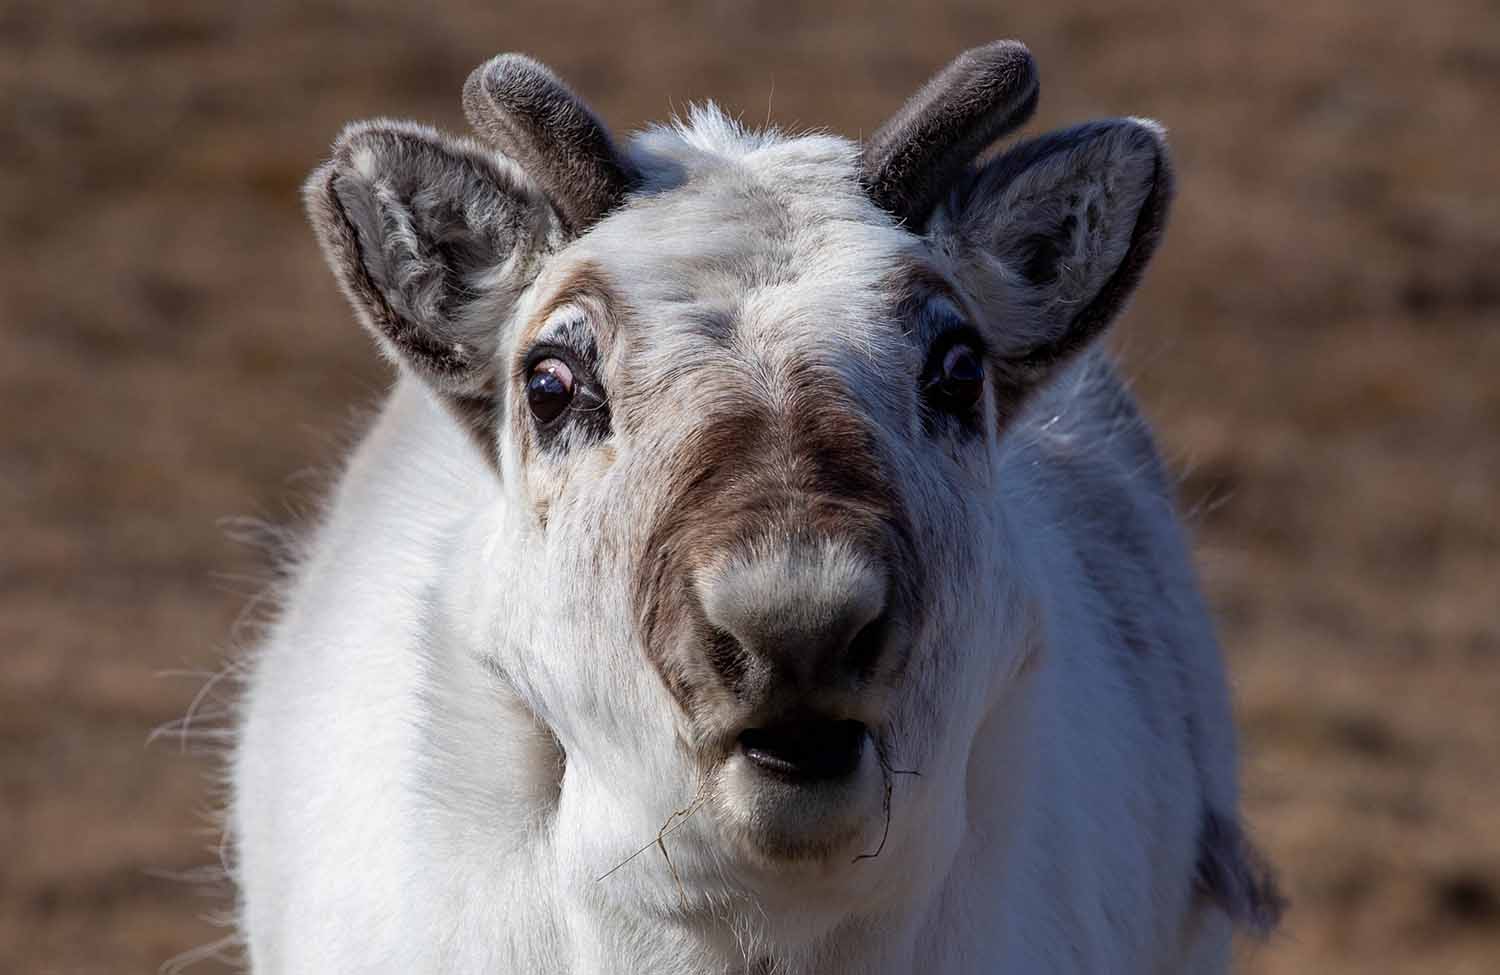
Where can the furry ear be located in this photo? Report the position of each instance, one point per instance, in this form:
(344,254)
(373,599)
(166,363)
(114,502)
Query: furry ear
(432,240)
(1051,239)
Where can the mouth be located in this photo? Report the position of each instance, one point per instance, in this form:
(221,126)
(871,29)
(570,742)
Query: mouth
(807,751)
(801,788)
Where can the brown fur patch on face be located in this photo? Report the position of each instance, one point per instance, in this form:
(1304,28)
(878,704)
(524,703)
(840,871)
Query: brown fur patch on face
(809,472)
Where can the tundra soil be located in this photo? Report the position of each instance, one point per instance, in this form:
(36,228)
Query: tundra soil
(1317,344)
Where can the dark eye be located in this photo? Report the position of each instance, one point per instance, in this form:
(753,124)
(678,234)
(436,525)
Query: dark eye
(549,389)
(959,383)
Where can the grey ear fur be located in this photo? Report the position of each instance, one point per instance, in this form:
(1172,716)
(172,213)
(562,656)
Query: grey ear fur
(1053,236)
(432,239)
(916,156)
(523,110)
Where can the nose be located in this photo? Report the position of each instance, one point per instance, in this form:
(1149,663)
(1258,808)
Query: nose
(801,619)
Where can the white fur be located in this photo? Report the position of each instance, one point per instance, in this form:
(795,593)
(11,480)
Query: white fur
(451,748)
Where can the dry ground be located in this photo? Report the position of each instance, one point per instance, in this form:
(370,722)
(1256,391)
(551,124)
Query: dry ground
(1317,343)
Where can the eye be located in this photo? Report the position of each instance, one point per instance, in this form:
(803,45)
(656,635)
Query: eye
(958,384)
(549,389)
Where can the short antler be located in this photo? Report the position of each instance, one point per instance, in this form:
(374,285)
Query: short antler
(528,114)
(914,158)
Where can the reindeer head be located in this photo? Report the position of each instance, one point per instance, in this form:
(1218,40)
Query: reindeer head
(743,398)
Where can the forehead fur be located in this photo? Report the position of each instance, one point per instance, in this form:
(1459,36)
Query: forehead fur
(756,248)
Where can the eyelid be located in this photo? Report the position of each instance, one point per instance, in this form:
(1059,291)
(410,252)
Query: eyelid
(568,335)
(942,323)
(543,351)
(940,304)
(579,360)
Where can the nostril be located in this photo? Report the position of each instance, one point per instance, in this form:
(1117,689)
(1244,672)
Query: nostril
(806,750)
(865,649)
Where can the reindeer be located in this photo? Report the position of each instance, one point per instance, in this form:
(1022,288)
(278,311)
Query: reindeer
(757,566)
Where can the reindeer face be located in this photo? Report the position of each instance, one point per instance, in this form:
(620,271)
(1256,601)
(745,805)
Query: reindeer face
(747,394)
(770,427)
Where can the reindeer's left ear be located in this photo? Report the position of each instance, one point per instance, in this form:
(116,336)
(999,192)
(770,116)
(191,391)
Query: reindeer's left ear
(1051,238)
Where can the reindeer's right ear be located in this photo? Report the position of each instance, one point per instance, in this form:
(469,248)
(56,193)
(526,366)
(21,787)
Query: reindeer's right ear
(433,239)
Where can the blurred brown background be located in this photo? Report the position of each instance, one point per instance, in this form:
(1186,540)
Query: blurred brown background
(1317,343)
